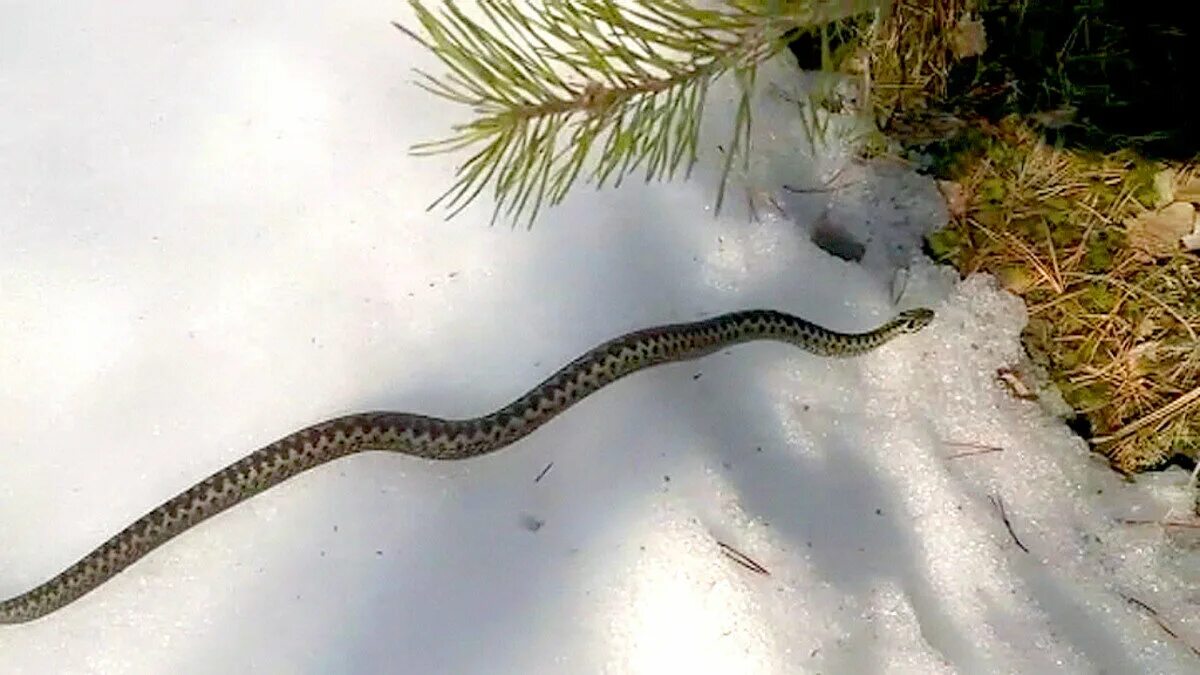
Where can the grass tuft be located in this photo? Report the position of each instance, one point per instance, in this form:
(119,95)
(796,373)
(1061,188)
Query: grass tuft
(1071,185)
(1116,328)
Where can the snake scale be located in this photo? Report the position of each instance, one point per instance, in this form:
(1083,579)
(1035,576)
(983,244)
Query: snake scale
(438,439)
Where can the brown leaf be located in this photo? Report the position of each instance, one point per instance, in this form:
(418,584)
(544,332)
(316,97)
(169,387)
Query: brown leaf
(1191,241)
(955,196)
(1159,233)
(1189,191)
(1164,188)
(968,37)
(1015,381)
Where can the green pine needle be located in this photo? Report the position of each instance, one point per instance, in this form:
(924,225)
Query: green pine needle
(559,85)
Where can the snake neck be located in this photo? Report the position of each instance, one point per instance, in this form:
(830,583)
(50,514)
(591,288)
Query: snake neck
(639,350)
(755,325)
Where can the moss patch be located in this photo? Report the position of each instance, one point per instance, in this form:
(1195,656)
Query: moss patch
(1063,128)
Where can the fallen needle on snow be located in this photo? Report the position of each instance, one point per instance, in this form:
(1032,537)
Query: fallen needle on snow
(1158,620)
(1164,523)
(999,504)
(979,449)
(742,559)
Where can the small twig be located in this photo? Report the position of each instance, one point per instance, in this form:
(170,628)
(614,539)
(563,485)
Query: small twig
(742,559)
(999,504)
(979,449)
(544,472)
(972,453)
(1159,620)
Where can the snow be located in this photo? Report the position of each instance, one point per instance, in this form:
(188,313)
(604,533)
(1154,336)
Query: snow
(214,234)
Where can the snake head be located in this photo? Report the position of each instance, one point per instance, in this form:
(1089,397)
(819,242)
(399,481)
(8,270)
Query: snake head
(913,320)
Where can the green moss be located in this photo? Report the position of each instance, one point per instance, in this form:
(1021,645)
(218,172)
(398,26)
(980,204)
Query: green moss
(1186,444)
(944,245)
(1016,278)
(1027,228)
(874,143)
(1064,234)
(1036,337)
(955,156)
(1057,211)
(1102,247)
(1036,296)
(1099,298)
(1041,203)
(1003,155)
(992,190)
(1087,397)
(1105,194)
(1140,180)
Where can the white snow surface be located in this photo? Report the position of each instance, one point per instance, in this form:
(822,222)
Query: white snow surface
(213,234)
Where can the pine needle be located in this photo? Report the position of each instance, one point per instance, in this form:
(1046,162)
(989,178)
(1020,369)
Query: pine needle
(563,90)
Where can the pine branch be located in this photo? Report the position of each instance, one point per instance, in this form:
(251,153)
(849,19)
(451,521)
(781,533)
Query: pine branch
(555,85)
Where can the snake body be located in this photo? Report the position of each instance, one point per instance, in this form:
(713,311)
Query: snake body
(435,438)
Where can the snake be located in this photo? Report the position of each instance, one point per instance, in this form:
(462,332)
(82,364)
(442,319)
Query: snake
(434,438)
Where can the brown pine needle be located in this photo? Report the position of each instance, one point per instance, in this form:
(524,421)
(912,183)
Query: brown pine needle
(999,504)
(972,453)
(1159,620)
(1164,523)
(742,559)
(973,448)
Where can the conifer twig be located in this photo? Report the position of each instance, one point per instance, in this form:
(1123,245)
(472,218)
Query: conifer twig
(619,86)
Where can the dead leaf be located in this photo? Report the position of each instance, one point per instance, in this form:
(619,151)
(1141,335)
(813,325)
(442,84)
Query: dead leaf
(1191,241)
(955,196)
(1189,191)
(1159,233)
(1057,118)
(1164,188)
(1140,359)
(968,37)
(1014,380)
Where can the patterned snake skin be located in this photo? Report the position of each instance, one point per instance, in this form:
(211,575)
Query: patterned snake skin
(435,438)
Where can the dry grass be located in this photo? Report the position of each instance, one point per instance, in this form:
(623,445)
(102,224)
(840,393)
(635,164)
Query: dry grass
(906,61)
(1115,323)
(1116,327)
